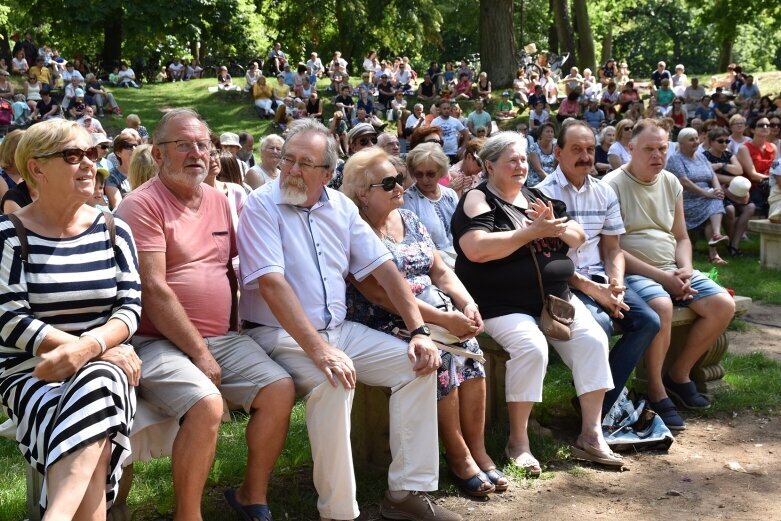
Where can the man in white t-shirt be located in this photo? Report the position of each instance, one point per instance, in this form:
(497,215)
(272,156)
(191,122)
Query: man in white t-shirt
(452,130)
(176,70)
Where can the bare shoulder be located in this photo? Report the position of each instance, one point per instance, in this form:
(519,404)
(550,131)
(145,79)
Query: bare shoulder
(475,203)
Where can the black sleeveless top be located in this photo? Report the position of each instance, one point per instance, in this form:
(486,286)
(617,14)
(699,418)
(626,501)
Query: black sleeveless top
(509,285)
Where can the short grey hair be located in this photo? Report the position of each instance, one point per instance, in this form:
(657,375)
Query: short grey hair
(495,146)
(686,133)
(305,125)
(171,115)
(425,152)
(604,131)
(417,105)
(268,139)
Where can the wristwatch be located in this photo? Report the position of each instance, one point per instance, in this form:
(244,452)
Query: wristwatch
(422,330)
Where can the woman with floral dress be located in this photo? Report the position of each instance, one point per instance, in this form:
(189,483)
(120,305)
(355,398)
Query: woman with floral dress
(371,181)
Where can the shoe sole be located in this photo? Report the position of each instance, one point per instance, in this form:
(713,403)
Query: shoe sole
(583,455)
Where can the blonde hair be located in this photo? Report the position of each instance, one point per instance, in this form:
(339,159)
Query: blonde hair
(133,119)
(47,137)
(428,152)
(8,148)
(142,167)
(358,172)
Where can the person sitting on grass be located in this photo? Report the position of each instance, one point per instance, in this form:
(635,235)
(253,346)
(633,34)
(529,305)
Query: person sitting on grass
(505,109)
(224,80)
(262,94)
(126,77)
(483,87)
(658,256)
(479,119)
(463,88)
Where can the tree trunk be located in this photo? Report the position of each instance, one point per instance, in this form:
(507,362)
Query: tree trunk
(497,41)
(112,40)
(564,30)
(725,53)
(553,37)
(586,53)
(607,45)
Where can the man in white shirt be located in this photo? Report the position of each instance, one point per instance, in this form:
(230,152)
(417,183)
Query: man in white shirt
(452,130)
(692,96)
(299,241)
(176,70)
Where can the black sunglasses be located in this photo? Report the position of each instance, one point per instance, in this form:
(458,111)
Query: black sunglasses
(73,156)
(104,147)
(721,141)
(775,125)
(364,141)
(130,146)
(763,125)
(390,182)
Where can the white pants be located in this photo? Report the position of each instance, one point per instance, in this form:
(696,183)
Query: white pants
(264,104)
(586,353)
(379,360)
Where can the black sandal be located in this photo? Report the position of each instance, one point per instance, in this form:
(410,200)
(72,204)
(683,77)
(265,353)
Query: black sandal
(474,486)
(497,477)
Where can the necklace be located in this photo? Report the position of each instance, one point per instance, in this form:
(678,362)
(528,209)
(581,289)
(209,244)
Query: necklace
(383,235)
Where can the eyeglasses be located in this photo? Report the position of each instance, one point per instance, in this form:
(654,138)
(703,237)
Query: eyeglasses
(763,125)
(390,182)
(305,166)
(73,156)
(421,175)
(367,140)
(214,153)
(185,146)
(721,141)
(437,141)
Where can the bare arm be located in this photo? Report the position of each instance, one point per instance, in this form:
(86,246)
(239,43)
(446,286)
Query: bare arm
(113,196)
(744,159)
(615,161)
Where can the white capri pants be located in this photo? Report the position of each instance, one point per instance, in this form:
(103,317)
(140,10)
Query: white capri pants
(586,353)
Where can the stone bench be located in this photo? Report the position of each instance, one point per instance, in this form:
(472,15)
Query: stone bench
(370,426)
(707,373)
(769,242)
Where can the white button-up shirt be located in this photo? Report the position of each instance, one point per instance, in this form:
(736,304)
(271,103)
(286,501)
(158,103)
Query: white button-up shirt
(595,206)
(314,248)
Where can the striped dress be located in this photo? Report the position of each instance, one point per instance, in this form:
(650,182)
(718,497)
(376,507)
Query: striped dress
(74,285)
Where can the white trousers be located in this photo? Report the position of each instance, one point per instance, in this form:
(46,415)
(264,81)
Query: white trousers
(586,353)
(379,360)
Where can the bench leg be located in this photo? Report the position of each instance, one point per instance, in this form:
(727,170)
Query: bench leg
(34,487)
(707,373)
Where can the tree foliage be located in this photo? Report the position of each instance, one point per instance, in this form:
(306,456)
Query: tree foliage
(702,34)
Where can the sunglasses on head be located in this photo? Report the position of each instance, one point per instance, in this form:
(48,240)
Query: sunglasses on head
(390,182)
(73,156)
(366,140)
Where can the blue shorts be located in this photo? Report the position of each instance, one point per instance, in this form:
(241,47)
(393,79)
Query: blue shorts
(649,289)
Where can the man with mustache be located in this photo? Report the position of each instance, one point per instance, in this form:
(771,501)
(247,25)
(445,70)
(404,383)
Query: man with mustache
(298,242)
(599,263)
(192,356)
(658,256)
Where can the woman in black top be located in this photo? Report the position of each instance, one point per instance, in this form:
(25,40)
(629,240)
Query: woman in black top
(496,228)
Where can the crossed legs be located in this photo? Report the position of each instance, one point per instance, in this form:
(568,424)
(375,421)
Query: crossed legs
(77,484)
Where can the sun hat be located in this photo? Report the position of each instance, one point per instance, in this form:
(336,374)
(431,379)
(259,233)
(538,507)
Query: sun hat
(229,139)
(359,130)
(739,186)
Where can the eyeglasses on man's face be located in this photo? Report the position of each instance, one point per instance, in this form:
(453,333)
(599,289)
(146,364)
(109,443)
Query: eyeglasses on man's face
(307,167)
(184,146)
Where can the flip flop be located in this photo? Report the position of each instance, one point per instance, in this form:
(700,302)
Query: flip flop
(717,261)
(717,239)
(525,461)
(587,452)
(247,512)
(496,475)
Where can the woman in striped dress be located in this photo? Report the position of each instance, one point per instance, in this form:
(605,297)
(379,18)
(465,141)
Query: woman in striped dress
(69,302)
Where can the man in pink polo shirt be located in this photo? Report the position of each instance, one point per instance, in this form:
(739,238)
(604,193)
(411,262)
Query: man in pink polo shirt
(191,357)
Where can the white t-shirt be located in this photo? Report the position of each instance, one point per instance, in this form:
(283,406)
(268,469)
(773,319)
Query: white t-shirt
(451,128)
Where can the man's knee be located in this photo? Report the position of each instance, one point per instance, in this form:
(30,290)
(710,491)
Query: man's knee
(206,413)
(278,396)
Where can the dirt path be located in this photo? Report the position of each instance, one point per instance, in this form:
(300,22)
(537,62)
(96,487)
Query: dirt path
(690,482)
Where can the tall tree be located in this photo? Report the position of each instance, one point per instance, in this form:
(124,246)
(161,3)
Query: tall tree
(586,54)
(564,29)
(497,41)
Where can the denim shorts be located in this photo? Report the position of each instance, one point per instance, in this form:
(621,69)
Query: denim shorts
(649,289)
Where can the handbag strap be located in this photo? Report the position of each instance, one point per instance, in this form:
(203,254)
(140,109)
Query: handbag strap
(511,213)
(21,233)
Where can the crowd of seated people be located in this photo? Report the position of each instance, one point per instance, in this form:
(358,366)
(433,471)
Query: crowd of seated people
(465,207)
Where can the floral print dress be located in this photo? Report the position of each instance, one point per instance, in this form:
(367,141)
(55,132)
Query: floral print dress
(413,257)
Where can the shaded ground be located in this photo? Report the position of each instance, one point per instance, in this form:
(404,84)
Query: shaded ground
(764,333)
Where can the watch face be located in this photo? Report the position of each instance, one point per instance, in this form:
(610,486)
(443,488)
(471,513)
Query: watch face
(425,330)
